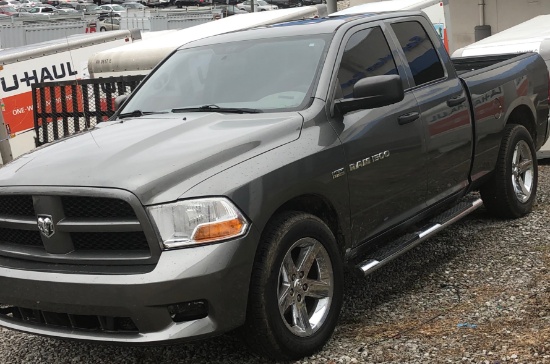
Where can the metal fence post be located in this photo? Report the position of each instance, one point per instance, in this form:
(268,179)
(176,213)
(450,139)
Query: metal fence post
(5,147)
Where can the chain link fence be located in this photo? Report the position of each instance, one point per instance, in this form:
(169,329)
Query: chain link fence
(68,107)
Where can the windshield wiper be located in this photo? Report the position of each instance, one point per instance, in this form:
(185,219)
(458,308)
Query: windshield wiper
(210,108)
(138,113)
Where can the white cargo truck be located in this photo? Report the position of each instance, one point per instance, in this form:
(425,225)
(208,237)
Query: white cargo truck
(58,60)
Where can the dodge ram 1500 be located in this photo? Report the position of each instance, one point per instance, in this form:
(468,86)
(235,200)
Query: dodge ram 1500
(235,183)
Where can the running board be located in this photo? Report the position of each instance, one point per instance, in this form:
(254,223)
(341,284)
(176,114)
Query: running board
(405,243)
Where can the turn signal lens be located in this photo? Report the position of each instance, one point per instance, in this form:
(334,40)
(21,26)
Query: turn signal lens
(218,230)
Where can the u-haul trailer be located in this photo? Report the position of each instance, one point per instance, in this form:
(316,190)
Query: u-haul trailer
(434,9)
(530,36)
(57,60)
(141,57)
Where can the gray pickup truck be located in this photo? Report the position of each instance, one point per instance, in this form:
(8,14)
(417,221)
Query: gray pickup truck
(232,188)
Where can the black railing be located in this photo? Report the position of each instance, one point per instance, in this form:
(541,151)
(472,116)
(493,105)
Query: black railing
(68,107)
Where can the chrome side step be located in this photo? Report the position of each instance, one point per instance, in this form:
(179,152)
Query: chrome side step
(405,243)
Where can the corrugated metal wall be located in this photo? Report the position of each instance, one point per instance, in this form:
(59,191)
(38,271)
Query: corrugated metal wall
(167,19)
(18,34)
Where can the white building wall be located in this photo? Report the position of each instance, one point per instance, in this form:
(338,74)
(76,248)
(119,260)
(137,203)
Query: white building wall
(499,14)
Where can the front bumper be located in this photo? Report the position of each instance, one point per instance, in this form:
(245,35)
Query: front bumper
(218,273)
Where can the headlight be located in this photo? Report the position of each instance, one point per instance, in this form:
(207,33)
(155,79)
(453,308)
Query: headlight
(198,221)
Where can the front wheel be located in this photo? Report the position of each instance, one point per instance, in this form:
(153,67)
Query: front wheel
(512,189)
(296,289)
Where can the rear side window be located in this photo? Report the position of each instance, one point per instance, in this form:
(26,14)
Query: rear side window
(420,52)
(366,54)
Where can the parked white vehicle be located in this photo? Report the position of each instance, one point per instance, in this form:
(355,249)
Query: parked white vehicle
(530,36)
(15,3)
(259,5)
(114,8)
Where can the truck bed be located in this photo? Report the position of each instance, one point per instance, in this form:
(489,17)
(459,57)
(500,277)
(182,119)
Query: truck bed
(496,85)
(468,64)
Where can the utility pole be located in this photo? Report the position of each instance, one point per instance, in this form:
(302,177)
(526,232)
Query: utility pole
(252,6)
(331,6)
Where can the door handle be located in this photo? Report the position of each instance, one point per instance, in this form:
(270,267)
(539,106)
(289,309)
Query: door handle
(408,118)
(455,101)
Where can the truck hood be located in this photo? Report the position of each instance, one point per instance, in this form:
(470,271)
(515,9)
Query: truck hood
(156,157)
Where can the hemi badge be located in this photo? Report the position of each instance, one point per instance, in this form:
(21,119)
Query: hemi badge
(338,173)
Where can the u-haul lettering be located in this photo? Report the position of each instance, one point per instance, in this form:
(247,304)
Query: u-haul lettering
(45,74)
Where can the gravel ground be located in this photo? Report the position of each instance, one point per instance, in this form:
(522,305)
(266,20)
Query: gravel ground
(479,292)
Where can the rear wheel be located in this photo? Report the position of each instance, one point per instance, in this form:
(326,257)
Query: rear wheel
(511,191)
(296,289)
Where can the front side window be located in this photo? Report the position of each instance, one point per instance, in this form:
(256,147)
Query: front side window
(268,75)
(366,54)
(421,55)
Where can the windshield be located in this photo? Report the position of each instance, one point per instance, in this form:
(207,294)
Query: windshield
(266,75)
(8,9)
(117,8)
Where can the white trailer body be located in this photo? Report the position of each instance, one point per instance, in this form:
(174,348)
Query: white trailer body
(141,57)
(530,36)
(58,60)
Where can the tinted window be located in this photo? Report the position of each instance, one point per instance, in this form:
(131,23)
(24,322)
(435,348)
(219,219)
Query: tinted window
(366,54)
(420,52)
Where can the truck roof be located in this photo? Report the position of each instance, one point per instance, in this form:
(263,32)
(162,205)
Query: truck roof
(392,5)
(325,25)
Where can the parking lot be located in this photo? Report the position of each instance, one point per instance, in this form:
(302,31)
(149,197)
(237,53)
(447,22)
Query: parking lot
(478,292)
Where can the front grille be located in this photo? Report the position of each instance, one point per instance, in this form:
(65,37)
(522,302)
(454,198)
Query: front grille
(77,228)
(96,207)
(70,321)
(20,237)
(16,205)
(110,241)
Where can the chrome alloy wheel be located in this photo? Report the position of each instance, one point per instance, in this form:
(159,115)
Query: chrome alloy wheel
(522,171)
(305,287)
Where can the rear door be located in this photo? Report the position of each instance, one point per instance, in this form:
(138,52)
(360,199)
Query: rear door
(444,107)
(384,147)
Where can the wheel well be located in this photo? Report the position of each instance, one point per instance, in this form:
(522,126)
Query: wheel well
(522,115)
(317,206)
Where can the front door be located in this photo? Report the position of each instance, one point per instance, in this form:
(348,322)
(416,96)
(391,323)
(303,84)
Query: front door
(384,147)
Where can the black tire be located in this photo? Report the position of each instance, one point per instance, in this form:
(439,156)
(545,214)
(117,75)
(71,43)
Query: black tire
(502,195)
(102,29)
(268,331)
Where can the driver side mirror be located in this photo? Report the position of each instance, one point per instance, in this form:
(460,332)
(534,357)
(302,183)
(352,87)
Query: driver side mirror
(373,92)
(119,100)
